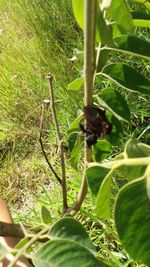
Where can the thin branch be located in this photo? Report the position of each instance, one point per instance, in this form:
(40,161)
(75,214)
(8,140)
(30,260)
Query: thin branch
(42,147)
(59,141)
(89,69)
(23,250)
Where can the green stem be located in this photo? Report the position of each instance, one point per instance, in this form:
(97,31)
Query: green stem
(89,70)
(23,250)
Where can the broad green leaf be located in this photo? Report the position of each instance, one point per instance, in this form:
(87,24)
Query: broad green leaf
(45,215)
(78,10)
(3,252)
(103,199)
(116,103)
(116,133)
(63,253)
(95,176)
(74,147)
(133,150)
(76,85)
(102,56)
(133,45)
(119,12)
(72,139)
(145,148)
(132,218)
(103,34)
(75,125)
(22,243)
(127,77)
(69,228)
(102,150)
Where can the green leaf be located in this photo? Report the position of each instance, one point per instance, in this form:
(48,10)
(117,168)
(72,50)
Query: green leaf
(103,199)
(75,125)
(78,10)
(102,150)
(116,133)
(69,228)
(45,215)
(95,176)
(119,12)
(145,148)
(116,103)
(133,44)
(63,253)
(76,85)
(133,150)
(127,78)
(22,243)
(74,148)
(141,19)
(102,32)
(132,218)
(72,139)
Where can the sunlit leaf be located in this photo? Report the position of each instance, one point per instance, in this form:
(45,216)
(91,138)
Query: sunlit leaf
(103,34)
(132,218)
(102,150)
(95,176)
(22,242)
(75,125)
(76,85)
(45,215)
(116,103)
(78,10)
(62,253)
(120,13)
(117,131)
(103,199)
(133,44)
(127,77)
(133,150)
(69,228)
(74,148)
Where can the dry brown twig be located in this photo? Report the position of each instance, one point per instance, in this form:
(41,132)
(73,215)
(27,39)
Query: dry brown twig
(59,142)
(42,146)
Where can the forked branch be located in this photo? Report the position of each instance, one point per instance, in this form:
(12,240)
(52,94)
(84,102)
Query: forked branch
(59,142)
(42,146)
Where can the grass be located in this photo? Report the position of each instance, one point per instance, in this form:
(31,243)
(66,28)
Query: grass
(36,37)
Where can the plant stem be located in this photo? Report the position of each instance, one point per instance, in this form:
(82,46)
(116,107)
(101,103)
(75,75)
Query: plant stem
(42,146)
(60,143)
(24,249)
(89,69)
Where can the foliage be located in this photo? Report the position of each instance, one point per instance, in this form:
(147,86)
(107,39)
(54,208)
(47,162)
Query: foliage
(68,244)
